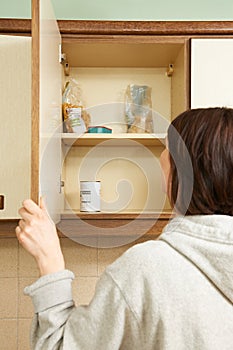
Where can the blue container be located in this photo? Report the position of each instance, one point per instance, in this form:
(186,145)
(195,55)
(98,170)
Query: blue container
(99,130)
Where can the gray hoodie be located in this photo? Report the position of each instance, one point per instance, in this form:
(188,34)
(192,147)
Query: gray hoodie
(175,293)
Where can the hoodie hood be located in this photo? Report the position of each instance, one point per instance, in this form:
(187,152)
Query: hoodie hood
(207,242)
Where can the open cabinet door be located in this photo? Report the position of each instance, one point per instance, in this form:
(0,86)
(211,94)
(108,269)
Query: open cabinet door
(211,72)
(15,123)
(46,108)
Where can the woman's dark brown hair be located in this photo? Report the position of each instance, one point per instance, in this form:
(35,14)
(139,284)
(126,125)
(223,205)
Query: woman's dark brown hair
(200,143)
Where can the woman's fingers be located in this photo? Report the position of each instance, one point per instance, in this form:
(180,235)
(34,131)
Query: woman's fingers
(24,226)
(26,241)
(20,234)
(25,214)
(42,204)
(17,230)
(31,207)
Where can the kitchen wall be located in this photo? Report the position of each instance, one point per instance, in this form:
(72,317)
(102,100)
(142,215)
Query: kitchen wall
(127,9)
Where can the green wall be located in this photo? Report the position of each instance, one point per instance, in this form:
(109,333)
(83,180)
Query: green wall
(127,9)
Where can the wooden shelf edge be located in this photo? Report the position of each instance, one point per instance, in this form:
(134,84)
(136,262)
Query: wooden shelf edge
(70,139)
(105,221)
(117,216)
(7,228)
(97,230)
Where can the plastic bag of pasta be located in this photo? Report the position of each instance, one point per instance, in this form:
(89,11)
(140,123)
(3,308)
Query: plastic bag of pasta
(138,111)
(75,117)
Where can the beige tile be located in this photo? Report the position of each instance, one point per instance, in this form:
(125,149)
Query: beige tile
(8,257)
(24,326)
(8,297)
(25,306)
(8,334)
(84,289)
(27,264)
(80,259)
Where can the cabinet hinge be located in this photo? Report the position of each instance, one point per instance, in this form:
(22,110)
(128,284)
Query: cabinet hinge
(63,61)
(62,184)
(61,55)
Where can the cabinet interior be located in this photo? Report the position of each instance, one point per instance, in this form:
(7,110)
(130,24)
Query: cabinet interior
(127,167)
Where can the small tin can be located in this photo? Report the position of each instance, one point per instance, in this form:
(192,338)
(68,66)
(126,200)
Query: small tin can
(90,196)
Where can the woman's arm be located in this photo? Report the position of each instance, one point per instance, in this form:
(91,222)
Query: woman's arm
(107,323)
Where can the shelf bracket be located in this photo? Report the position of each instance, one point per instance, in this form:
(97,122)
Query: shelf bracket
(170,70)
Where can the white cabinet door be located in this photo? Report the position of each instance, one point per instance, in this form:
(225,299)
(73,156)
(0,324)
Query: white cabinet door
(47,109)
(15,119)
(211,72)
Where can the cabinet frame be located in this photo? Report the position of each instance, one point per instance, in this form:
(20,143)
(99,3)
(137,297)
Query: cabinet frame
(107,31)
(99,27)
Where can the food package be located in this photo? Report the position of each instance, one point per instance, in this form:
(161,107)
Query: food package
(138,109)
(74,121)
(75,117)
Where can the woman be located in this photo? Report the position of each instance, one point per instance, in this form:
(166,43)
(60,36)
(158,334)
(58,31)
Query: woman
(175,293)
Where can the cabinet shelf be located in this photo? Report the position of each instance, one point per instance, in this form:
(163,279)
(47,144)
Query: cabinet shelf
(72,139)
(164,215)
(84,225)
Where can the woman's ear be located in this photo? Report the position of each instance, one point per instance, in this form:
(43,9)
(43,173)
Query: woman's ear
(166,169)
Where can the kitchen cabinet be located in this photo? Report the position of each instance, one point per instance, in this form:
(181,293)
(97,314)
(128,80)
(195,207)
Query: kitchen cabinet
(211,72)
(126,164)
(131,157)
(104,57)
(15,130)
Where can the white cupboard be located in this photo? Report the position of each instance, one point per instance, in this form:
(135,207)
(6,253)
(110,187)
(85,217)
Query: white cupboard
(15,119)
(211,72)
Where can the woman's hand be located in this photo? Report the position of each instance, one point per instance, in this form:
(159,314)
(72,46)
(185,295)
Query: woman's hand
(38,235)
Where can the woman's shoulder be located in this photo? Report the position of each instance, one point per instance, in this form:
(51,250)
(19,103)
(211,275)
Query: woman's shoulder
(142,272)
(141,259)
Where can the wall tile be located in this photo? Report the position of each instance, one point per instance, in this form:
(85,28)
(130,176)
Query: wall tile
(8,297)
(24,326)
(8,257)
(25,306)
(84,289)
(27,264)
(80,259)
(8,334)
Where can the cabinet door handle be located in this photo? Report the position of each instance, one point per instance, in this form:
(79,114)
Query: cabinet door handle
(1,202)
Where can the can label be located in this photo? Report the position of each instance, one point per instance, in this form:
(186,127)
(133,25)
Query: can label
(90,196)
